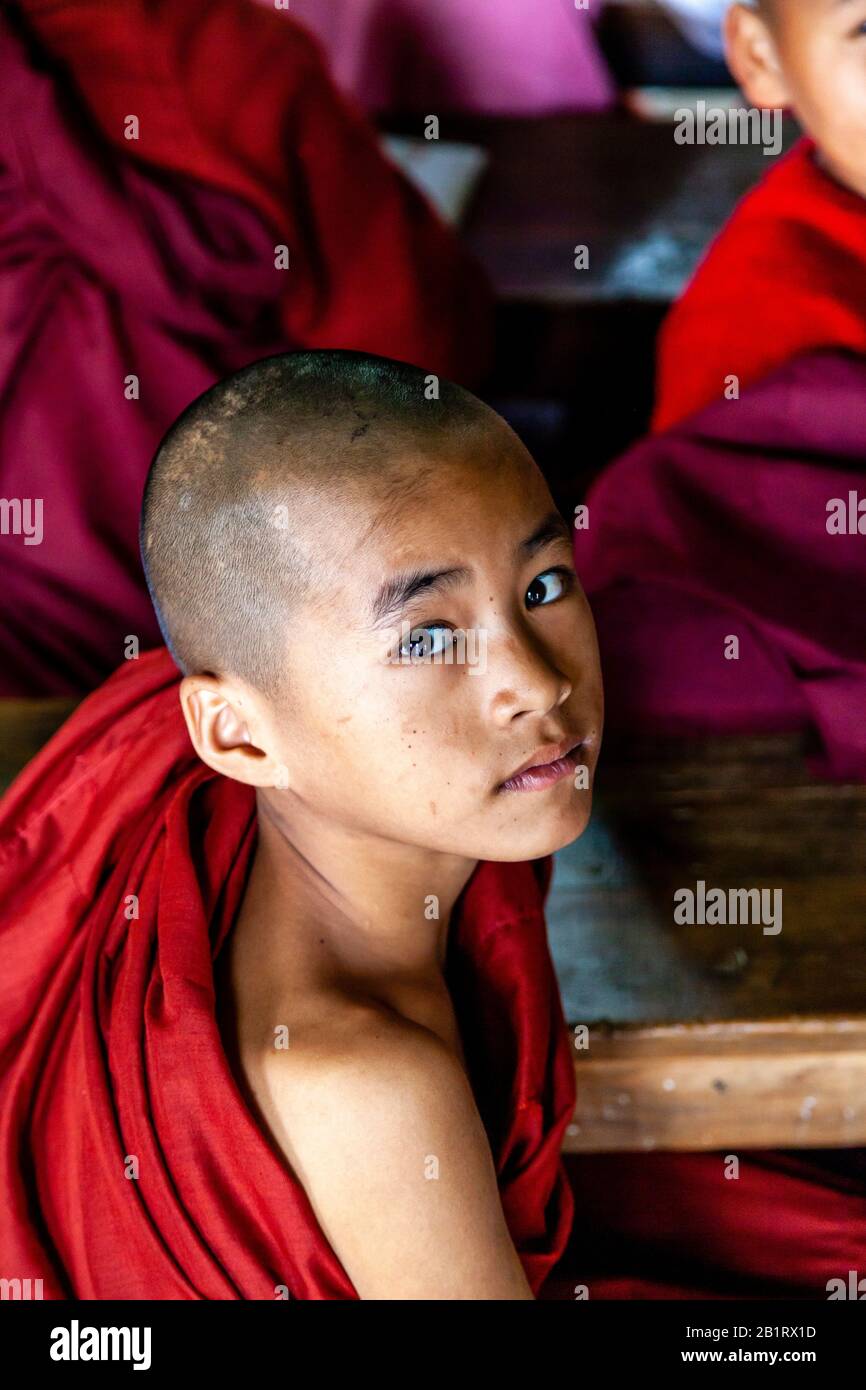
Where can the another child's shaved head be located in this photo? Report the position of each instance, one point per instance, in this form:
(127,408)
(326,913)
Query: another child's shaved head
(225,525)
(808,56)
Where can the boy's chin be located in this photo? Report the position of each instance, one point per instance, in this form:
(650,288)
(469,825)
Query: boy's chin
(541,834)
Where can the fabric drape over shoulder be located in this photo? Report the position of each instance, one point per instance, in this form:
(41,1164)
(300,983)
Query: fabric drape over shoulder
(130,1166)
(721,527)
(785,276)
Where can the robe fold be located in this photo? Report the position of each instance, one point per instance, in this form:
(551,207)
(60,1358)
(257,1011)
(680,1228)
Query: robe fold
(786,276)
(670,1226)
(719,529)
(461,55)
(240,98)
(125,294)
(136,273)
(130,1165)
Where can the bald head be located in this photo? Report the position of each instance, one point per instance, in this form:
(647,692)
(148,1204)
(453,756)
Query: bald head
(231,523)
(765,8)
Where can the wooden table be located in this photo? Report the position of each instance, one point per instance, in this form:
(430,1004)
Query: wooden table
(702,1036)
(575,348)
(645,206)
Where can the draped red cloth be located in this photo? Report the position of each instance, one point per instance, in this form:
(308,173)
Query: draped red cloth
(136,273)
(719,527)
(110,1048)
(240,98)
(668,1226)
(786,276)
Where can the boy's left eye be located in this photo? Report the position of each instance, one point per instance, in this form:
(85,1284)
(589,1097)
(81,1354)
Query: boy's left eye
(562,582)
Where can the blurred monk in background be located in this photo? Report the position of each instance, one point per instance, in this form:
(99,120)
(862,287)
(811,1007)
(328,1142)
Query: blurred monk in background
(186,190)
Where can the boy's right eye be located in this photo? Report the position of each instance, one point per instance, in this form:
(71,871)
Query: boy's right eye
(417,647)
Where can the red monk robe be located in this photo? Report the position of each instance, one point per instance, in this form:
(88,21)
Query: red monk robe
(669,1226)
(787,275)
(111,1058)
(240,98)
(136,273)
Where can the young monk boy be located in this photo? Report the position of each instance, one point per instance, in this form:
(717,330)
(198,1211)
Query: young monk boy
(275,980)
(788,272)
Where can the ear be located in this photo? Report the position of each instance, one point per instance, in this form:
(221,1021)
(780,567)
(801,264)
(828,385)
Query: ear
(228,731)
(753,58)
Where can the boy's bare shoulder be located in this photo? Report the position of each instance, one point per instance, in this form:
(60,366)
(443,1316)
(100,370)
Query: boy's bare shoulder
(355,1048)
(376,1116)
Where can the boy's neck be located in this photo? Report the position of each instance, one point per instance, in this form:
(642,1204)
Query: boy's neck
(362,907)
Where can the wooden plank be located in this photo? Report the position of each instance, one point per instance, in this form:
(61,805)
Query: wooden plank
(705,1035)
(735,814)
(793,1083)
(645,206)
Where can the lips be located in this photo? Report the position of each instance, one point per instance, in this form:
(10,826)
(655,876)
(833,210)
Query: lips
(545,766)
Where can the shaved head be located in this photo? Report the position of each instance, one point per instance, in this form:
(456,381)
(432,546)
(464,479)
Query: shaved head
(806,57)
(765,8)
(232,517)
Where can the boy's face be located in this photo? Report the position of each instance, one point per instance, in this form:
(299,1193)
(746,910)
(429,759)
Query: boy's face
(809,56)
(417,751)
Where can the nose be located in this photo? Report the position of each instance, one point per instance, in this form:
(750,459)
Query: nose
(523,678)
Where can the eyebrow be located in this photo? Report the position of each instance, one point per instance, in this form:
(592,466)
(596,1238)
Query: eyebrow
(392,596)
(553,527)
